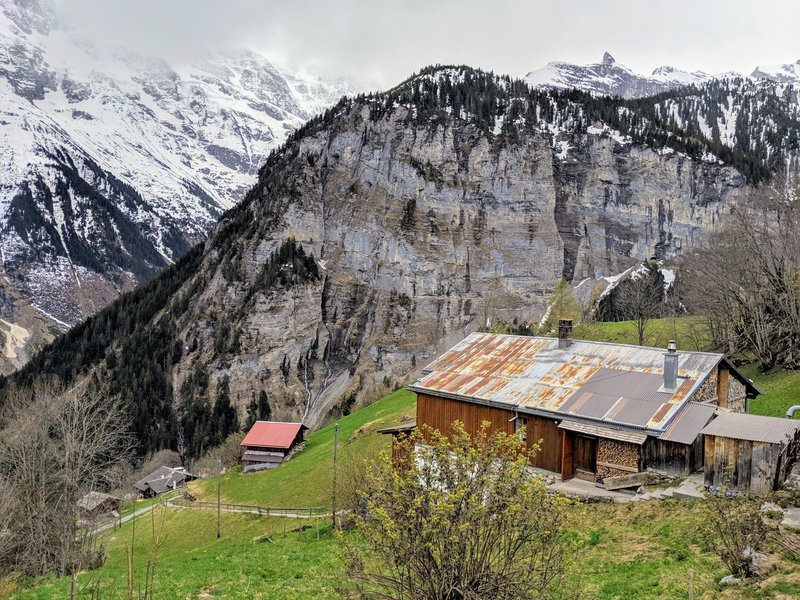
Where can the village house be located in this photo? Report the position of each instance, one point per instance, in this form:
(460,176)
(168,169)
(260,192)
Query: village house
(163,479)
(597,409)
(95,505)
(268,443)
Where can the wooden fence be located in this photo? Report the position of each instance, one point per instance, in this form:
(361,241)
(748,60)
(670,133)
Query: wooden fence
(264,511)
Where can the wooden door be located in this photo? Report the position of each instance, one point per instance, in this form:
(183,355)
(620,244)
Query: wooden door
(585,457)
(567,471)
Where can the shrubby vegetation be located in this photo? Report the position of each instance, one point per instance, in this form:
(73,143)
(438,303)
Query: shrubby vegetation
(452,521)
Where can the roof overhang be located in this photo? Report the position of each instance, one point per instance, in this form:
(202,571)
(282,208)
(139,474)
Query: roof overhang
(632,437)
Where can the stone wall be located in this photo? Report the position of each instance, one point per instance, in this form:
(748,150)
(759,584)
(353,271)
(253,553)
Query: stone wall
(618,453)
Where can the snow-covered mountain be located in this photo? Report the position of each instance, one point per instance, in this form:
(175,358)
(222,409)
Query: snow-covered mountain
(112,165)
(608,77)
(788,73)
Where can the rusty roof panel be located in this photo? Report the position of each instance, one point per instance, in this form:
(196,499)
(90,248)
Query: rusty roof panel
(533,373)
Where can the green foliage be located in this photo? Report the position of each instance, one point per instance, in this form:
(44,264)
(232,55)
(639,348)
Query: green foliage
(409,221)
(562,305)
(258,410)
(288,265)
(453,521)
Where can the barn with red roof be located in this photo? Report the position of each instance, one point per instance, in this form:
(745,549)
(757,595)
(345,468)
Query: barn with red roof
(268,443)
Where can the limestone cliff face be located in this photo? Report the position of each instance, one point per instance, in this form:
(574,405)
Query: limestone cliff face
(425,234)
(382,233)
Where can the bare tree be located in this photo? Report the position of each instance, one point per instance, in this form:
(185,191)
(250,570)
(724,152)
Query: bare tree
(56,446)
(746,281)
(641,300)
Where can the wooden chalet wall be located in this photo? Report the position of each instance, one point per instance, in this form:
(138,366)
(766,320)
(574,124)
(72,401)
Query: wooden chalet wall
(673,458)
(757,467)
(439,413)
(546,430)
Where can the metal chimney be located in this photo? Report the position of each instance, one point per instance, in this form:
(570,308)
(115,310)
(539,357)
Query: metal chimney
(564,333)
(671,367)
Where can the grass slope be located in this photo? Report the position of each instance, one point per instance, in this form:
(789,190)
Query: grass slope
(306,479)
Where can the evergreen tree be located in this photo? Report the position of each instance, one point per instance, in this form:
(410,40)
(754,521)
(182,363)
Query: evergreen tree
(258,410)
(563,305)
(224,418)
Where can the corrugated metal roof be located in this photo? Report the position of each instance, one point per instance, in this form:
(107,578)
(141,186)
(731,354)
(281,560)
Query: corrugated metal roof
(533,373)
(272,434)
(754,428)
(411,426)
(605,432)
(688,423)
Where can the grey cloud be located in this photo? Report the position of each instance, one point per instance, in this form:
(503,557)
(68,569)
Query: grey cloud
(379,43)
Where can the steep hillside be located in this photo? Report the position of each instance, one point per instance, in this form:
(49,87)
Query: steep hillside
(387,229)
(113,165)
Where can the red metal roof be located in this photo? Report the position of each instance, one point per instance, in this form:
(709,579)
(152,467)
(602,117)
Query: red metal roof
(271,434)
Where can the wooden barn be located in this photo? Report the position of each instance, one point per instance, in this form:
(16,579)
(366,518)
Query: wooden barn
(96,505)
(268,443)
(596,409)
(749,453)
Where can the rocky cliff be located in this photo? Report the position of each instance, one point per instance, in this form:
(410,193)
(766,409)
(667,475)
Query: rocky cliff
(377,236)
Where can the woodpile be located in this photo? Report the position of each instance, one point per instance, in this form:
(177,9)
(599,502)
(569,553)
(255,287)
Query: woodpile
(616,458)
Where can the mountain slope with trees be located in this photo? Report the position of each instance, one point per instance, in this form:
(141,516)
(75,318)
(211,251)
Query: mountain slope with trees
(386,229)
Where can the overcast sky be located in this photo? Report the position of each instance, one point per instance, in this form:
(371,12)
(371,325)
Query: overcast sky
(378,43)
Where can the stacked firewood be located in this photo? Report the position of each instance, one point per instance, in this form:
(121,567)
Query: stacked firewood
(618,453)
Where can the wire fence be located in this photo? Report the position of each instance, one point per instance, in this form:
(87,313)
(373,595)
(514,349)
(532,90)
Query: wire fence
(264,511)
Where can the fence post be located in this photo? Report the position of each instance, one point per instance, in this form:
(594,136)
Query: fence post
(691,584)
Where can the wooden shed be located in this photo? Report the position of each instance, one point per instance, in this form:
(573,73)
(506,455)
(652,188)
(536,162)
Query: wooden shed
(268,443)
(750,453)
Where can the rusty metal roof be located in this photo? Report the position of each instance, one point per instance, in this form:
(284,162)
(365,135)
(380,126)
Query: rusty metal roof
(755,428)
(615,383)
(685,427)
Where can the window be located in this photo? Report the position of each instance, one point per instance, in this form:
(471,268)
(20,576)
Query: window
(521,427)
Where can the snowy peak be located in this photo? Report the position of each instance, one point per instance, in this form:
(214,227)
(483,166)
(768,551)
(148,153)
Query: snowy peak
(788,73)
(112,164)
(610,78)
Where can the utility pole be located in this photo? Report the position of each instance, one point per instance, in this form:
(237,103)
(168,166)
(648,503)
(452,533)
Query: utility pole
(335,445)
(219,495)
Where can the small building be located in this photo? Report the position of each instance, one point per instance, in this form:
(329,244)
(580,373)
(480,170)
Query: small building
(163,479)
(398,433)
(268,443)
(95,505)
(749,453)
(596,409)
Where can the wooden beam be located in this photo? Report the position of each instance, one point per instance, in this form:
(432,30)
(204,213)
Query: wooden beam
(626,481)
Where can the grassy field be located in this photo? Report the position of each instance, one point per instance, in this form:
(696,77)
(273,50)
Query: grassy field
(631,552)
(306,479)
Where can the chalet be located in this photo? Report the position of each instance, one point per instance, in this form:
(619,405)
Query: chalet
(596,409)
(163,479)
(95,505)
(268,443)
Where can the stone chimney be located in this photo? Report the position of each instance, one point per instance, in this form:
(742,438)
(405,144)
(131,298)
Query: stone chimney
(564,333)
(671,367)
